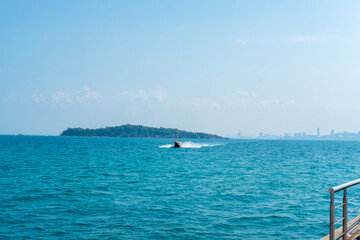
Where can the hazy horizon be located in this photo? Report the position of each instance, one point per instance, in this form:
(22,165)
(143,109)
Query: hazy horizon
(217,67)
(261,135)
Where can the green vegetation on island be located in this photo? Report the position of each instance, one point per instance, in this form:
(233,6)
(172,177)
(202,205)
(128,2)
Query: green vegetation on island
(135,131)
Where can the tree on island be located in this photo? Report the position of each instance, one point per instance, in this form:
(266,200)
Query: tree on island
(136,131)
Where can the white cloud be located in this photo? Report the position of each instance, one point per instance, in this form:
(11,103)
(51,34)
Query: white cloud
(275,103)
(88,94)
(243,99)
(39,98)
(61,96)
(67,97)
(160,95)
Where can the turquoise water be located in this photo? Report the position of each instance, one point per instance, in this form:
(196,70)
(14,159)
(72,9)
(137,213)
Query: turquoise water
(115,188)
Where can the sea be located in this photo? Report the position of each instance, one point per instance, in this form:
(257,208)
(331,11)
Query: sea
(131,188)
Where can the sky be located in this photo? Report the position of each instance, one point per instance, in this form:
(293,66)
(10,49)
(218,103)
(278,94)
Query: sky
(207,66)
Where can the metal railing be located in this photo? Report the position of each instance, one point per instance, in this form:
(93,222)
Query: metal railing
(344,205)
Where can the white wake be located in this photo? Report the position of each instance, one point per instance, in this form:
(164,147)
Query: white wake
(190,144)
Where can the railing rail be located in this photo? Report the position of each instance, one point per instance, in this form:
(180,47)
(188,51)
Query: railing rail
(344,205)
(343,186)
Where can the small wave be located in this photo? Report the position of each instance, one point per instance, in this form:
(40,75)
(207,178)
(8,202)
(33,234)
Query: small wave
(190,144)
(166,146)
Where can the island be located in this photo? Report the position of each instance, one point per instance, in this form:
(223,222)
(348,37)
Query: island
(136,131)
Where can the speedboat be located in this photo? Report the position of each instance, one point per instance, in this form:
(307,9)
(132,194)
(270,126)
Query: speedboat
(177,144)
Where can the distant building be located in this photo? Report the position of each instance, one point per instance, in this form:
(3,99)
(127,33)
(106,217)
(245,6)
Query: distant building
(318,132)
(261,134)
(332,132)
(239,134)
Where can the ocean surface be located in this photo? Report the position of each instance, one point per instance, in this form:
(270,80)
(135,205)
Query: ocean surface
(116,188)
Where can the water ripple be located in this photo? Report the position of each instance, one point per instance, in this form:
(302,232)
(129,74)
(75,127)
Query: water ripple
(111,188)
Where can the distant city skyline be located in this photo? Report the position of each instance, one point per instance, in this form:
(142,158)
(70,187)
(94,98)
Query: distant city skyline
(201,66)
(302,135)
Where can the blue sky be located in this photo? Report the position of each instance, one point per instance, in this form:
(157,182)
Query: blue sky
(210,66)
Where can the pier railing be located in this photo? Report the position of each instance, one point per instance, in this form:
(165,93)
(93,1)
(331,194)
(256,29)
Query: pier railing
(345,214)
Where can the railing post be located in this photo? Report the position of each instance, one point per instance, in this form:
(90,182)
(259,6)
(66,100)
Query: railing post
(345,215)
(332,192)
(332,216)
